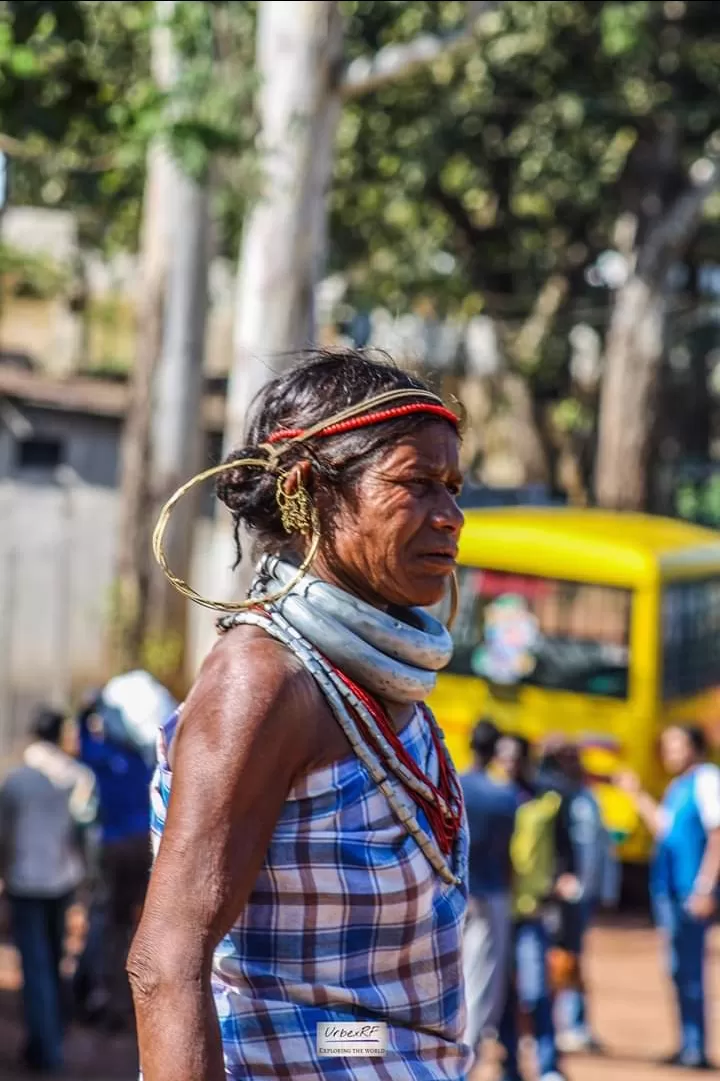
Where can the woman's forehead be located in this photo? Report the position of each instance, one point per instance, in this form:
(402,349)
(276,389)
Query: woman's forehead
(435,446)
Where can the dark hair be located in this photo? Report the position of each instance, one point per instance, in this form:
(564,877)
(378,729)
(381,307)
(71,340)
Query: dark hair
(696,735)
(556,752)
(484,740)
(90,703)
(321,384)
(47,724)
(524,746)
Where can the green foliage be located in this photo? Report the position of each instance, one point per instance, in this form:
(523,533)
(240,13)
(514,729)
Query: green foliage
(475,178)
(211,112)
(32,274)
(80,107)
(699,500)
(468,182)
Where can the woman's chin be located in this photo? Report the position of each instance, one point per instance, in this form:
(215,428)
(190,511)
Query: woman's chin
(426,593)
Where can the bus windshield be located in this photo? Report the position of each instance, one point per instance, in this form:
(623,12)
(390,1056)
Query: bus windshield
(517,628)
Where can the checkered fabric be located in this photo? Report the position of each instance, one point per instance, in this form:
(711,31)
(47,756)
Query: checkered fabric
(347,922)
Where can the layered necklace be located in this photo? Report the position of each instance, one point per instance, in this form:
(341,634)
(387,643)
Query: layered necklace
(335,636)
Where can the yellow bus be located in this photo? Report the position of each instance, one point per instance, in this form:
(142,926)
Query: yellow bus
(598,626)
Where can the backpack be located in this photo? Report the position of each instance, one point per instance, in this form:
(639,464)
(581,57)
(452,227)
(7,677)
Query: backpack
(532,852)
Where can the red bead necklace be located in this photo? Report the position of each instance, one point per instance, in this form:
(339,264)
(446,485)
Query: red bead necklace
(443,809)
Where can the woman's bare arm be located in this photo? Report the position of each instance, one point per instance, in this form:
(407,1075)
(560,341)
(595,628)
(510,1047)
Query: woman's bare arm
(248,729)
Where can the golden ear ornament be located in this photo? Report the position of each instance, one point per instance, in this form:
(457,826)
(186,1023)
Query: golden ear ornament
(312,533)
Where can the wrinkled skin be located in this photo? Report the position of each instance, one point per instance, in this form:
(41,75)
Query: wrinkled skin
(253,725)
(395,541)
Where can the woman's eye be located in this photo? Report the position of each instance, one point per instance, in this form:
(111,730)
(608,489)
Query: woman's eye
(425,484)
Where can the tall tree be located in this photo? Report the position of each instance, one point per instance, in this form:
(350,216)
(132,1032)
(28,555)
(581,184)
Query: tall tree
(636,336)
(298,64)
(299,51)
(176,437)
(133,566)
(284,246)
(205,121)
(506,176)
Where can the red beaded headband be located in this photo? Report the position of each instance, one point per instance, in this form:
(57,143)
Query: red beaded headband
(365,421)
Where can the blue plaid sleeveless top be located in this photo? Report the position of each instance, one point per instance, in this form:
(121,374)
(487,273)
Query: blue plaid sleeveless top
(347,922)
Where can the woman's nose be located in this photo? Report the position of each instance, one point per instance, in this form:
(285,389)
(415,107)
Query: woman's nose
(447,516)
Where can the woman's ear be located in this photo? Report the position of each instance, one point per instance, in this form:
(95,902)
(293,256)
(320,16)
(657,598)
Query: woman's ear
(299,475)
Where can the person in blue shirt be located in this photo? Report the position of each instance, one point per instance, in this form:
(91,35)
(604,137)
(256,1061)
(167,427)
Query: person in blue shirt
(123,775)
(491,807)
(685,873)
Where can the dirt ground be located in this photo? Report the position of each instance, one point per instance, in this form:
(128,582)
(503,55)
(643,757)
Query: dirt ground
(630,1004)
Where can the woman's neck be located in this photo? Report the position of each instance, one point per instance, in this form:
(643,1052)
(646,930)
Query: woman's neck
(337,576)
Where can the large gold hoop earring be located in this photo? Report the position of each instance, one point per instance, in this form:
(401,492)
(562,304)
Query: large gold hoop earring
(158,539)
(454,600)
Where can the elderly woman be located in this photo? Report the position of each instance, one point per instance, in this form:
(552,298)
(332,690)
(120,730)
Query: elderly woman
(305,911)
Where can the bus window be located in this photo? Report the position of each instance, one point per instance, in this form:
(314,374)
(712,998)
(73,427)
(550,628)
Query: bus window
(691,637)
(517,628)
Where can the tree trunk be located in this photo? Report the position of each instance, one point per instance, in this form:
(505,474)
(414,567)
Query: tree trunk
(634,347)
(161,440)
(633,354)
(299,50)
(177,429)
(281,258)
(133,533)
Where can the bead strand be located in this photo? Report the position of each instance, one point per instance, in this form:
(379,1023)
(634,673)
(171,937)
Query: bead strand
(364,421)
(326,680)
(392,761)
(277,627)
(397,767)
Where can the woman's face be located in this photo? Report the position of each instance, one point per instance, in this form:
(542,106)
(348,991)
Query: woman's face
(395,540)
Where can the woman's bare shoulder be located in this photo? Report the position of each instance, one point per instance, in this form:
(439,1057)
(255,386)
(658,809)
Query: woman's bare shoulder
(250,686)
(247,647)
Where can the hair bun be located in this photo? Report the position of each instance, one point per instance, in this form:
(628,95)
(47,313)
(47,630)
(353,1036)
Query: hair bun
(248,491)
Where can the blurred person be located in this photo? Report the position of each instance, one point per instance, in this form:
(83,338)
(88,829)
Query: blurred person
(561,769)
(119,754)
(543,869)
(685,874)
(512,763)
(44,804)
(490,805)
